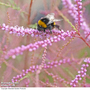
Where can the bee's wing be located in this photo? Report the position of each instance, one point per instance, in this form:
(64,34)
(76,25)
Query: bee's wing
(49,22)
(50,16)
(56,20)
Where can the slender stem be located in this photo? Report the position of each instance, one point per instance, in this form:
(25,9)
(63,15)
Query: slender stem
(45,4)
(29,12)
(59,12)
(40,67)
(15,69)
(28,37)
(59,51)
(84,41)
(13,7)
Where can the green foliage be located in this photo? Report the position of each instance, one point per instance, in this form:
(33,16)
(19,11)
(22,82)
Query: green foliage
(34,26)
(83,52)
(13,6)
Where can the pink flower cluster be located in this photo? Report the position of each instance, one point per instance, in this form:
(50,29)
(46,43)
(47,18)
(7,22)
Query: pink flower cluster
(27,83)
(81,73)
(79,14)
(32,47)
(46,66)
(57,77)
(74,11)
(52,64)
(21,31)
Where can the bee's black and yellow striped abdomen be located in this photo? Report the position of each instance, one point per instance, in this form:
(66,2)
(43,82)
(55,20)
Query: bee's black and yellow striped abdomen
(42,24)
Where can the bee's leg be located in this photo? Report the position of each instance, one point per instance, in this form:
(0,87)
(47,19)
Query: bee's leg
(38,28)
(44,30)
(57,26)
(50,31)
(50,28)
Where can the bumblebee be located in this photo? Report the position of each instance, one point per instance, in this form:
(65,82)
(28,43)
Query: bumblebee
(47,22)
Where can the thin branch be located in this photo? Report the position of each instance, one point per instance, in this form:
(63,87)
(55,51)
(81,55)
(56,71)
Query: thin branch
(15,69)
(13,7)
(60,13)
(29,12)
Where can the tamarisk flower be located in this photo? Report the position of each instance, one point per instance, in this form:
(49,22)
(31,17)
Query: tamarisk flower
(56,77)
(74,12)
(21,31)
(81,73)
(52,64)
(47,65)
(27,82)
(79,14)
(32,47)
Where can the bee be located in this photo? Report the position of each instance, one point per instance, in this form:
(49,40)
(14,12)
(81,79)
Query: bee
(48,22)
